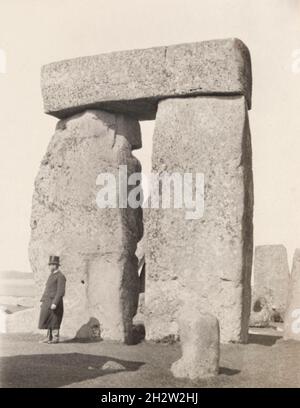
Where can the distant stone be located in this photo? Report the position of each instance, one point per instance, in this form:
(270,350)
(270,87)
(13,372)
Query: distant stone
(292,316)
(200,343)
(139,317)
(261,315)
(133,82)
(271,277)
(113,366)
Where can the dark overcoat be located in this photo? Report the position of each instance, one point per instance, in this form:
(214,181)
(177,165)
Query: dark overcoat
(53,294)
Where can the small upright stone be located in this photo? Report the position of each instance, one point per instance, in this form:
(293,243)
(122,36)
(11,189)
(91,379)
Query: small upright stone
(200,342)
(271,277)
(292,316)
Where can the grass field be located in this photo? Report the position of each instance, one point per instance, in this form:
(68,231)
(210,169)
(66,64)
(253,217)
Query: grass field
(267,361)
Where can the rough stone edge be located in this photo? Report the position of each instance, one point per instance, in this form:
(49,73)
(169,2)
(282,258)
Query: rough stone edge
(247,229)
(130,106)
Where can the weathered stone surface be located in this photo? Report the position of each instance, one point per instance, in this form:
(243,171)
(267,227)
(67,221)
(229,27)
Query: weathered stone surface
(292,316)
(200,343)
(209,258)
(261,314)
(90,330)
(271,277)
(112,366)
(134,81)
(97,246)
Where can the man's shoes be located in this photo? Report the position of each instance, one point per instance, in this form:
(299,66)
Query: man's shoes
(54,341)
(46,340)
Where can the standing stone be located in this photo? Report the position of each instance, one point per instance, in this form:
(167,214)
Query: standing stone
(200,343)
(292,316)
(96,245)
(208,258)
(271,277)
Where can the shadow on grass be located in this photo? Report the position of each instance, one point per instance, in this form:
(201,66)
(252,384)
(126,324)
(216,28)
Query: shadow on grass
(262,339)
(76,341)
(55,370)
(138,335)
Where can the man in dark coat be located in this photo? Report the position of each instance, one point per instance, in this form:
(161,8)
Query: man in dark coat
(52,307)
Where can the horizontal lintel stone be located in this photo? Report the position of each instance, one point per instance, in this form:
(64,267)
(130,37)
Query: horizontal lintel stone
(133,82)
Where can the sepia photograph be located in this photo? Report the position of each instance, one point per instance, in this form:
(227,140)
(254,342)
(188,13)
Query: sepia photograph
(150,197)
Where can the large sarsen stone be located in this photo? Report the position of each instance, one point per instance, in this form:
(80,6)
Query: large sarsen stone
(133,82)
(96,245)
(207,258)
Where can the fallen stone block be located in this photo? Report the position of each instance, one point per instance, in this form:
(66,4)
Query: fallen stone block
(89,331)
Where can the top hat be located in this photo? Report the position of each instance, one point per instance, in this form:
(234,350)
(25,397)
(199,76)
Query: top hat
(53,260)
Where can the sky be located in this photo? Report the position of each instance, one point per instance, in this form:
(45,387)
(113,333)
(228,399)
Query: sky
(36,32)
